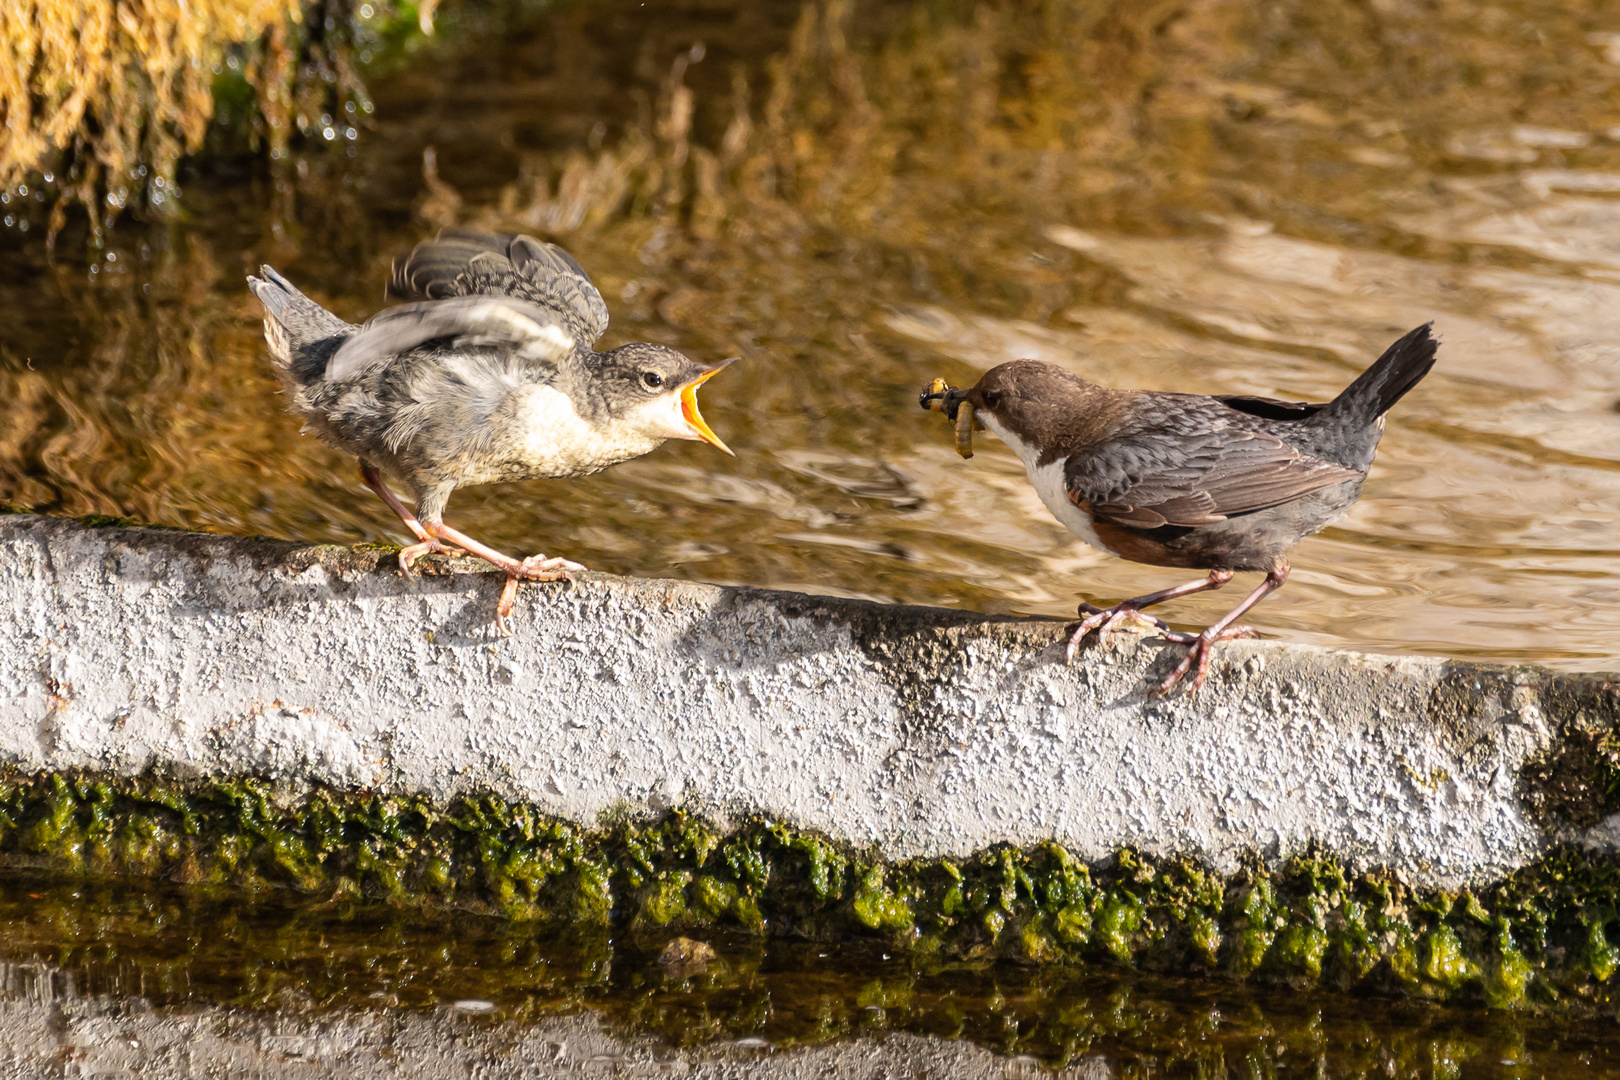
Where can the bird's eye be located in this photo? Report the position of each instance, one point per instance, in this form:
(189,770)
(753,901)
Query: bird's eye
(652,379)
(991,398)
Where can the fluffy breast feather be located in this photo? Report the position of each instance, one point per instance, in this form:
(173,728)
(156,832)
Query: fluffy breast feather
(553,439)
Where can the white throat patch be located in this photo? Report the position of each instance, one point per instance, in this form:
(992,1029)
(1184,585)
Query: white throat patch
(661,417)
(1047,481)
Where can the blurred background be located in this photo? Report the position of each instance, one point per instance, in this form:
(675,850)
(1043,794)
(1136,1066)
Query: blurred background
(1199,195)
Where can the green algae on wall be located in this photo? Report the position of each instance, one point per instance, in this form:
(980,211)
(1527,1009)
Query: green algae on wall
(1546,937)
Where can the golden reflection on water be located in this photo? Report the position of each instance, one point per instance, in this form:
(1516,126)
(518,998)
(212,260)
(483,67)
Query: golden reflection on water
(1209,197)
(80,958)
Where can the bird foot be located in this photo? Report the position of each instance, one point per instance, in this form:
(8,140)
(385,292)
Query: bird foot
(540,568)
(1202,654)
(1106,620)
(430,546)
(534,568)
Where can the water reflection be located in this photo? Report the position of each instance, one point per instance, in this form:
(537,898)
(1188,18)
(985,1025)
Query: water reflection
(1240,197)
(114,978)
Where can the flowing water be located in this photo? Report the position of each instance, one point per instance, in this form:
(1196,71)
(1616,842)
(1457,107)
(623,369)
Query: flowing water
(1206,196)
(1216,196)
(174,981)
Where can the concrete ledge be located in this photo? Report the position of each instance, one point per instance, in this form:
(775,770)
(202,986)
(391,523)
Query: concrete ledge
(916,732)
(663,754)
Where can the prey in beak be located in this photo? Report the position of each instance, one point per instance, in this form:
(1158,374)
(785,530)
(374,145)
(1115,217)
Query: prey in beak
(689,406)
(954,403)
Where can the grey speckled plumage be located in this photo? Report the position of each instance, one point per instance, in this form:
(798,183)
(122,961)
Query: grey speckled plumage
(487,372)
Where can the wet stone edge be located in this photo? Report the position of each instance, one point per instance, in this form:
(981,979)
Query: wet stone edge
(1576,781)
(1543,939)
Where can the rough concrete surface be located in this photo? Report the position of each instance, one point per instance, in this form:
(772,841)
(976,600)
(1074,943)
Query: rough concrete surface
(919,731)
(46,1029)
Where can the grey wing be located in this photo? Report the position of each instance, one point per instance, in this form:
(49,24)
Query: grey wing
(534,332)
(436,269)
(462,262)
(560,272)
(1150,480)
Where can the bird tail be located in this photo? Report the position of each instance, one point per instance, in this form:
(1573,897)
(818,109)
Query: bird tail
(302,335)
(1378,388)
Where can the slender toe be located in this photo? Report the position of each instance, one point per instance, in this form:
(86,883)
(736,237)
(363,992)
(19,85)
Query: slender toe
(1106,620)
(503,606)
(1074,642)
(1182,668)
(1201,654)
(409,555)
(540,568)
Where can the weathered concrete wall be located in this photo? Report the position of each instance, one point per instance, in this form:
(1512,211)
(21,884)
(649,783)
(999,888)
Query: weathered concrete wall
(920,731)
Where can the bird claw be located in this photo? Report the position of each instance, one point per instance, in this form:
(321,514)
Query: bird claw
(1201,650)
(534,568)
(1106,620)
(1202,653)
(430,546)
(503,607)
(540,568)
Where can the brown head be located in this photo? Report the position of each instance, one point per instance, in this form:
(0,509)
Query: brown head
(1037,404)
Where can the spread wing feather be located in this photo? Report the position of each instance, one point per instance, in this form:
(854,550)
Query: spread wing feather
(535,332)
(1154,479)
(461,262)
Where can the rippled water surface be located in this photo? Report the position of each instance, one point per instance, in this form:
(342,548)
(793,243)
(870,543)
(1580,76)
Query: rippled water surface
(105,978)
(1235,196)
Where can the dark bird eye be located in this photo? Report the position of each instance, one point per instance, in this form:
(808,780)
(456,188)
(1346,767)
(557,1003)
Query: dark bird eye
(992,398)
(652,379)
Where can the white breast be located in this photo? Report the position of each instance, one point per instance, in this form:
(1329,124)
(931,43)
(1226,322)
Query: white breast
(557,441)
(1048,482)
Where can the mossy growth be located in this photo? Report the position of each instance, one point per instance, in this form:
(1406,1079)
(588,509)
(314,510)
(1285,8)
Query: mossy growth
(89,521)
(107,98)
(1576,781)
(1544,937)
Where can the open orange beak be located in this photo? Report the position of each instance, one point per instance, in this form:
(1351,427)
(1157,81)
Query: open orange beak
(689,406)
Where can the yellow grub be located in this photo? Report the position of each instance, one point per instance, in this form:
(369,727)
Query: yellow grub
(964,429)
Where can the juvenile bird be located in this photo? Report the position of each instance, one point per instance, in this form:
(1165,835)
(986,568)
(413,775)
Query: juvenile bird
(1221,484)
(487,373)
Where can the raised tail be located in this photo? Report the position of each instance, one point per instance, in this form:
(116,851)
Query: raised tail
(302,334)
(1378,388)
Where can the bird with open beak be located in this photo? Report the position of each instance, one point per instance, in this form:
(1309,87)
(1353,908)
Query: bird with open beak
(1221,483)
(486,373)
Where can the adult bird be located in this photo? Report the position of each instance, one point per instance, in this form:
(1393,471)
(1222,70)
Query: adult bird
(486,373)
(1222,483)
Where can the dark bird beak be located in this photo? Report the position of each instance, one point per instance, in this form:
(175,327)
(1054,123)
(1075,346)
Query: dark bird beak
(689,405)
